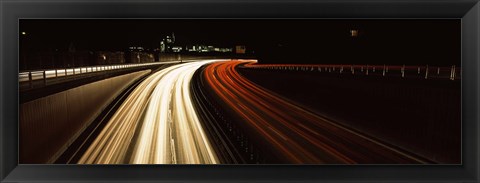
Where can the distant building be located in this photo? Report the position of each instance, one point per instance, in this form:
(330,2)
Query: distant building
(167,44)
(204,48)
(210,49)
(190,48)
(163,47)
(135,48)
(240,49)
(177,49)
(170,39)
(224,50)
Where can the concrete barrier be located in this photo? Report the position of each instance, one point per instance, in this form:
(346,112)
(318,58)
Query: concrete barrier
(48,125)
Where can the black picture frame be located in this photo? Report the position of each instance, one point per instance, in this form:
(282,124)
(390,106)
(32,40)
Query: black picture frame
(11,11)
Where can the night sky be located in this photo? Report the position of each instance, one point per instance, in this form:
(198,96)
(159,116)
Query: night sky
(434,42)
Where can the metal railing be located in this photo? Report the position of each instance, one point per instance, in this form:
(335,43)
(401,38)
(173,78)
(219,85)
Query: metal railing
(453,72)
(27,79)
(29,76)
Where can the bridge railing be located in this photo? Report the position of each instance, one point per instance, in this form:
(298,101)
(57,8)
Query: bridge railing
(43,75)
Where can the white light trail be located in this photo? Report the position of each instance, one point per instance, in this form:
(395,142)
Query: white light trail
(156,124)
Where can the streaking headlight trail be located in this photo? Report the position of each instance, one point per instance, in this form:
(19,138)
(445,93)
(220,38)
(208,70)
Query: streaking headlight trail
(157,124)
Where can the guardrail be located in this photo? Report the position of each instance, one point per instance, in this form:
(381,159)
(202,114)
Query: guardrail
(426,72)
(39,75)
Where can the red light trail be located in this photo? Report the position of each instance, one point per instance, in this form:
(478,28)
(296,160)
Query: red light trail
(299,136)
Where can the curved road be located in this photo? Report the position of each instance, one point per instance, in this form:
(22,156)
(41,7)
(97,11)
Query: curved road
(157,124)
(293,133)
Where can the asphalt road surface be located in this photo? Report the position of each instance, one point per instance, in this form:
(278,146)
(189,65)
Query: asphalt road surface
(157,124)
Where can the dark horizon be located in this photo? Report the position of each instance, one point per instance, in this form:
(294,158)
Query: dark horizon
(379,41)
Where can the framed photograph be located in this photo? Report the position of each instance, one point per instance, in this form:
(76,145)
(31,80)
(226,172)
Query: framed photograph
(239,91)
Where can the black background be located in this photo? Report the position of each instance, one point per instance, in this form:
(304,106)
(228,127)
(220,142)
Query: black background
(380,41)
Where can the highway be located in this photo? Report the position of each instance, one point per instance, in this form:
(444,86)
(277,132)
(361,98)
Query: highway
(169,119)
(290,132)
(156,124)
